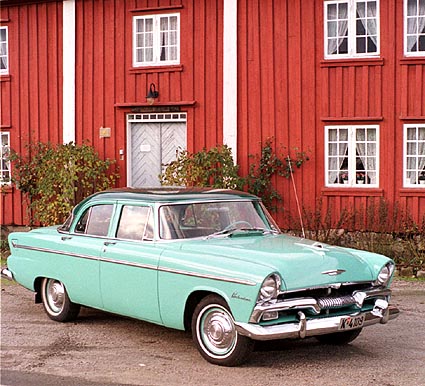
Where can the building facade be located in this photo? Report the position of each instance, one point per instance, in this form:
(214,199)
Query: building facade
(343,80)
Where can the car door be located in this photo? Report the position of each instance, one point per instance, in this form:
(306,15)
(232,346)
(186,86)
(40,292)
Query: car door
(82,247)
(129,263)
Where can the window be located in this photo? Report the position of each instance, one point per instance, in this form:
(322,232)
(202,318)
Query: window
(414,27)
(414,155)
(352,155)
(95,221)
(351,29)
(5,163)
(4,59)
(156,40)
(135,223)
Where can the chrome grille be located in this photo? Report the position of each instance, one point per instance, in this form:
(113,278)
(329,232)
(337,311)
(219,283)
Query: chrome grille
(336,302)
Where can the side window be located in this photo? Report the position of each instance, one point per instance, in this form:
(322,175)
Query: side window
(95,220)
(4,163)
(351,28)
(4,51)
(156,40)
(414,27)
(135,223)
(414,155)
(352,156)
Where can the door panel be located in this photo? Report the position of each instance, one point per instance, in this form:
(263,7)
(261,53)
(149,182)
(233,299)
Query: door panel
(152,145)
(128,277)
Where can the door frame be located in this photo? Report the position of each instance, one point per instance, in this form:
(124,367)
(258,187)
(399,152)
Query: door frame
(149,118)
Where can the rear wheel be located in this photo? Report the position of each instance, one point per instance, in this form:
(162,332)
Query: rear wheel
(339,338)
(56,301)
(214,333)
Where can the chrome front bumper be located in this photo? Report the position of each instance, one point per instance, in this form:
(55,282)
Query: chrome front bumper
(305,328)
(6,274)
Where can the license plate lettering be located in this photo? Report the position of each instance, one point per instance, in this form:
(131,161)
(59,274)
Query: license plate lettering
(351,322)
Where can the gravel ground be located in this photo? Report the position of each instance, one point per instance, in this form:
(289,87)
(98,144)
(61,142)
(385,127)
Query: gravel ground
(105,349)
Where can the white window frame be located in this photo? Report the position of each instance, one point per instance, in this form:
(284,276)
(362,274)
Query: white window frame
(351,30)
(156,43)
(5,172)
(411,172)
(4,51)
(420,20)
(351,157)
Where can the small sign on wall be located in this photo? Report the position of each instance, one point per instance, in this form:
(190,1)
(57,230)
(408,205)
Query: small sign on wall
(105,132)
(145,148)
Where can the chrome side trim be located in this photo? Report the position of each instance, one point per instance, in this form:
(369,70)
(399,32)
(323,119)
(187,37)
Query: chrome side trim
(207,276)
(139,265)
(306,328)
(47,250)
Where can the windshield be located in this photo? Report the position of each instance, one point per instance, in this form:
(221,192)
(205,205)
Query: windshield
(183,221)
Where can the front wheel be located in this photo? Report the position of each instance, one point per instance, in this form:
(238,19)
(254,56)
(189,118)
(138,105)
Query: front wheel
(339,338)
(56,301)
(214,333)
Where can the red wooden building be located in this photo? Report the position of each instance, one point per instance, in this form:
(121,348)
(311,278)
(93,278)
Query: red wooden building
(342,79)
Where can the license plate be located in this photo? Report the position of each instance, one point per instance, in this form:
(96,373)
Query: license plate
(351,322)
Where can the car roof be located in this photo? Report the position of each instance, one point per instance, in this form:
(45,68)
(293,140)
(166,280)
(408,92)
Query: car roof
(170,194)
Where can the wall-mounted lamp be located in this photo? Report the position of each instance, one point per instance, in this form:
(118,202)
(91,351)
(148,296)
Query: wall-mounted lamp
(152,94)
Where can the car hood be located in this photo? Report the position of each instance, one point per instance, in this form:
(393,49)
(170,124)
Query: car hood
(301,263)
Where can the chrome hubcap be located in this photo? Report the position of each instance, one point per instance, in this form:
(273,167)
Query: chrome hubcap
(218,331)
(55,292)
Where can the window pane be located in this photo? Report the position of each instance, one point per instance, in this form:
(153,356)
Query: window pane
(148,25)
(342,10)
(371,9)
(421,7)
(412,25)
(132,225)
(173,23)
(99,218)
(421,43)
(412,9)
(332,12)
(371,46)
(360,29)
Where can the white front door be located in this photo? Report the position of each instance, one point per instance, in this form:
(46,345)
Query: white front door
(153,140)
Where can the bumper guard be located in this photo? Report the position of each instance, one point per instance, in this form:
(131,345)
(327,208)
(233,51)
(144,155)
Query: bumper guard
(305,328)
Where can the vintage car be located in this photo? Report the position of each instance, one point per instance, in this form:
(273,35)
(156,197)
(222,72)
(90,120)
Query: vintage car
(210,261)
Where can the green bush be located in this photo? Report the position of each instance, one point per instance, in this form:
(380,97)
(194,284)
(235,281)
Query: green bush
(206,168)
(269,165)
(55,178)
(215,168)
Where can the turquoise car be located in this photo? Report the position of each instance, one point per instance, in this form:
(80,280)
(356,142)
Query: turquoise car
(209,261)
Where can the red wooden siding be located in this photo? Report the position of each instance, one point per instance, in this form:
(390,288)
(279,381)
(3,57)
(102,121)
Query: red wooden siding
(107,84)
(286,90)
(31,95)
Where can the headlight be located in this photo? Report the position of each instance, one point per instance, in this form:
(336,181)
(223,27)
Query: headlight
(385,274)
(270,289)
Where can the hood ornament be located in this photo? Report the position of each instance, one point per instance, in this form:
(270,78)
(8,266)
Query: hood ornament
(333,272)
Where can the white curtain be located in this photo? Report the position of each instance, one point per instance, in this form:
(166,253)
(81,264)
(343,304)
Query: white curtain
(337,154)
(369,23)
(421,150)
(367,152)
(415,153)
(337,13)
(3,49)
(415,25)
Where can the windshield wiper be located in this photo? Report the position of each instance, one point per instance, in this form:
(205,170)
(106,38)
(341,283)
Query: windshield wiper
(229,232)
